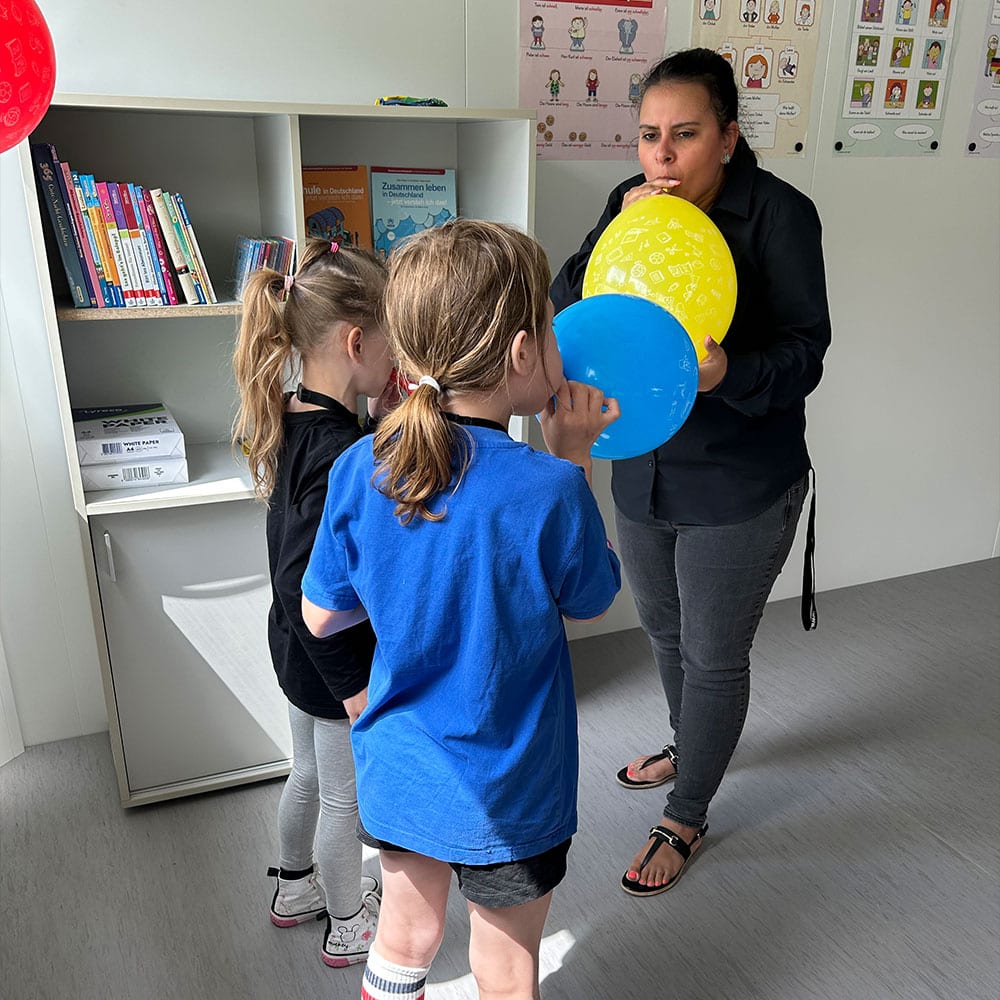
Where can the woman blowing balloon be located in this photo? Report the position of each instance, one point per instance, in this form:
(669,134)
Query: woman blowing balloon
(706,521)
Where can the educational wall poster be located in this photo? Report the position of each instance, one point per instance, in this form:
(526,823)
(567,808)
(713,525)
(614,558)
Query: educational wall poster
(581,66)
(984,129)
(898,60)
(771,45)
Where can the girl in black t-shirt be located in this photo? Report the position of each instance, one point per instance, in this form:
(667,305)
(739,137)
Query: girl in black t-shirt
(323,322)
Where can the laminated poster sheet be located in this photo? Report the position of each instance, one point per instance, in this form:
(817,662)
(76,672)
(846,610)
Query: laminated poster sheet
(771,45)
(984,129)
(898,63)
(581,66)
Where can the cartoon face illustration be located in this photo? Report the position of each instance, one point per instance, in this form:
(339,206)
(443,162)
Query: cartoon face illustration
(634,87)
(902,48)
(904,14)
(555,83)
(774,12)
(939,14)
(861,94)
(708,10)
(592,83)
(927,98)
(932,57)
(577,33)
(756,70)
(895,91)
(749,14)
(628,27)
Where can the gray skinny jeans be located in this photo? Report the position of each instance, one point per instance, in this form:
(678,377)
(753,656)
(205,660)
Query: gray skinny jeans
(700,592)
(319,809)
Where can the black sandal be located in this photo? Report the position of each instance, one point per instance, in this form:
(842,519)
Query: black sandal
(668,753)
(662,835)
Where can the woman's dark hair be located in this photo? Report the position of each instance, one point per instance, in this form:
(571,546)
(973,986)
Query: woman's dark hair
(703,66)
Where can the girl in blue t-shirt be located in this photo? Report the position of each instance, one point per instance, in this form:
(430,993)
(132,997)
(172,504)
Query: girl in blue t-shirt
(323,323)
(467,549)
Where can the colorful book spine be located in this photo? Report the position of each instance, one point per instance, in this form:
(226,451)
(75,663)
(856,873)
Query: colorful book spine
(148,247)
(150,290)
(47,178)
(111,276)
(196,250)
(93,271)
(184,278)
(128,250)
(152,225)
(129,293)
(104,299)
(192,265)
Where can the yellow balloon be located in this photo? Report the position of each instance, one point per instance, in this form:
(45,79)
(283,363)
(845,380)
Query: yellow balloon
(665,249)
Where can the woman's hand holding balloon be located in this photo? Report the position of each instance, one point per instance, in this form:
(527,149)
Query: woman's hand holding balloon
(712,369)
(661,185)
(573,420)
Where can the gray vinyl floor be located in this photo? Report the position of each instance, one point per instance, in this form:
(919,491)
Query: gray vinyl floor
(853,847)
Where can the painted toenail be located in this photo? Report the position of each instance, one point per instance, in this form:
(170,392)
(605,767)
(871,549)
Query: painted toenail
(633,875)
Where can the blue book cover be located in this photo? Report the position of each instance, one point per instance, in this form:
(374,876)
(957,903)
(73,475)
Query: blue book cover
(407,200)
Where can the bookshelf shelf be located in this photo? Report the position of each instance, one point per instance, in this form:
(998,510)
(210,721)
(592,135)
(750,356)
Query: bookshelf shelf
(177,576)
(68,314)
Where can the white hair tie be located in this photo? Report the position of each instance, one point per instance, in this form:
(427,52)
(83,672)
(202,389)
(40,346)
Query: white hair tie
(426,380)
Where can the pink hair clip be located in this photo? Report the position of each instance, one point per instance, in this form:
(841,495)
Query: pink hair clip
(289,281)
(334,246)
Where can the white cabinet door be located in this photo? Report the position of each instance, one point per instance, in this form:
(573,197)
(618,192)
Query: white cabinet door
(185,596)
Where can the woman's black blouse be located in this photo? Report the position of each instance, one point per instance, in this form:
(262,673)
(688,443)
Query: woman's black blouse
(744,443)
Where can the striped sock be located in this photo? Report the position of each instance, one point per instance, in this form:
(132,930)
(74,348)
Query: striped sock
(386,981)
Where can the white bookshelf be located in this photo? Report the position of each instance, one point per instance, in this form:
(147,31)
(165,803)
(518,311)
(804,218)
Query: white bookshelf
(178,574)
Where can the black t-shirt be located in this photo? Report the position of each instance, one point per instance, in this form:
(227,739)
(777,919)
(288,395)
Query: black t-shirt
(315,674)
(744,443)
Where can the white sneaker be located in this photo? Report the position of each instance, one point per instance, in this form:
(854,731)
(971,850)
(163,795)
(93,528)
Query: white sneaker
(347,939)
(297,900)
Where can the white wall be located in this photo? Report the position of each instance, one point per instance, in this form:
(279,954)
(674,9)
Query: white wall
(904,429)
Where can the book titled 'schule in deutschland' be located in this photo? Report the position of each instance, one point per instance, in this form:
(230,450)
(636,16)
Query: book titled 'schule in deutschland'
(405,200)
(336,204)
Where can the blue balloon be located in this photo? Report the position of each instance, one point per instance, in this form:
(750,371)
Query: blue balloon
(638,353)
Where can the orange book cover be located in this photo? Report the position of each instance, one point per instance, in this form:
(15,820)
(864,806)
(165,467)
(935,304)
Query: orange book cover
(335,199)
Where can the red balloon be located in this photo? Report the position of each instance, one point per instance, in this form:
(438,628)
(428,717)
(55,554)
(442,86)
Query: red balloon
(27,70)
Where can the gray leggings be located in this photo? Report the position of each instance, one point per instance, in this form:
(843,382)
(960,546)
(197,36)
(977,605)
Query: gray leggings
(319,807)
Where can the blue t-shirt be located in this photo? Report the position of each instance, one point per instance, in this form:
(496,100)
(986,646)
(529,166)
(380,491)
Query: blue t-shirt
(467,751)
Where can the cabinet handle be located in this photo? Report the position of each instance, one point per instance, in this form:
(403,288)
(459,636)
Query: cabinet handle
(111,558)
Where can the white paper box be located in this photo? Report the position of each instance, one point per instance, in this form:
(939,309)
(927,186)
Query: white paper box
(118,434)
(137,474)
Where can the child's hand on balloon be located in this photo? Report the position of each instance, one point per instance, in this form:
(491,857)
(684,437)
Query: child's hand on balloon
(574,419)
(712,368)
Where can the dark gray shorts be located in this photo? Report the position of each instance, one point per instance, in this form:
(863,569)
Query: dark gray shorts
(506,883)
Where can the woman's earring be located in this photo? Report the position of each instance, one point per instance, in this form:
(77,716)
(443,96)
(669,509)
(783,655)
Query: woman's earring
(726,157)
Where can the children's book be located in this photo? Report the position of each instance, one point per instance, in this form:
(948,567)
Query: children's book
(336,204)
(47,176)
(182,241)
(195,249)
(148,248)
(92,262)
(89,185)
(128,247)
(129,293)
(184,278)
(406,200)
(143,260)
(152,224)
